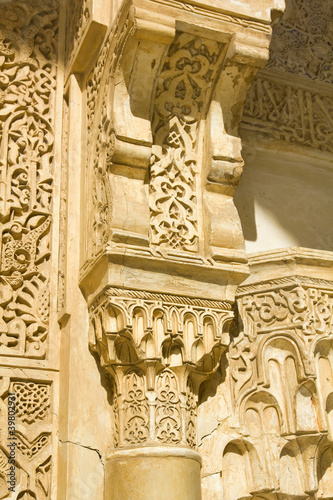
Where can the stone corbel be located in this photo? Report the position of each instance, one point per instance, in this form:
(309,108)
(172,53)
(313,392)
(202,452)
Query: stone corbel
(223,161)
(166,89)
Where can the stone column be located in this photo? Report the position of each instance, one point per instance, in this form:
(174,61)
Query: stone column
(162,246)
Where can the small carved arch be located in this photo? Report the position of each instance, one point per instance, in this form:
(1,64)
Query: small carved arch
(242,471)
(209,331)
(125,350)
(261,414)
(282,342)
(173,352)
(159,327)
(197,351)
(175,325)
(190,331)
(307,408)
(113,319)
(325,469)
(291,470)
(147,345)
(329,412)
(139,324)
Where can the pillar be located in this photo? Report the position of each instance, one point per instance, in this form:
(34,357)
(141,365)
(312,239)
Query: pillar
(162,246)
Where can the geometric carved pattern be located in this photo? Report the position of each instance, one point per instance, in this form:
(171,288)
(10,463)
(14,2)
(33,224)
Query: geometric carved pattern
(30,449)
(32,401)
(189,69)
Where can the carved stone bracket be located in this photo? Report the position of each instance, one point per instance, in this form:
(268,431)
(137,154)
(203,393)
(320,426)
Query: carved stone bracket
(164,100)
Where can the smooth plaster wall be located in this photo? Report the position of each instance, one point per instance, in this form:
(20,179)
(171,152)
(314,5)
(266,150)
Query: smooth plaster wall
(285,199)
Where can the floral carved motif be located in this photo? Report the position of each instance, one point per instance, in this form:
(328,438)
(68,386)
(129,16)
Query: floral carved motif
(27,88)
(168,419)
(180,99)
(135,410)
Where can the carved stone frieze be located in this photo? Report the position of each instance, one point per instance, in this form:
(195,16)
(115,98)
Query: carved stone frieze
(28,63)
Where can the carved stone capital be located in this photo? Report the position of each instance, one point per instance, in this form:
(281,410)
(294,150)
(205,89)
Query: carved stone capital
(158,348)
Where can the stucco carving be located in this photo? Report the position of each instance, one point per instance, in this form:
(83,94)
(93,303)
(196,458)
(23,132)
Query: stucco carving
(281,384)
(302,40)
(180,100)
(28,60)
(26,127)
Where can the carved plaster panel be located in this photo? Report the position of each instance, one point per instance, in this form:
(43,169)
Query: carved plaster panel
(28,59)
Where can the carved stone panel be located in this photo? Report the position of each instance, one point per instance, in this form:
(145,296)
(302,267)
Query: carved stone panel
(28,37)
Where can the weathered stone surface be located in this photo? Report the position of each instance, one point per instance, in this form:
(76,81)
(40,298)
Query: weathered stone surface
(166,322)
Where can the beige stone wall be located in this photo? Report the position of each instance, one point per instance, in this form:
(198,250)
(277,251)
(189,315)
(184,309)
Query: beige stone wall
(161,325)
